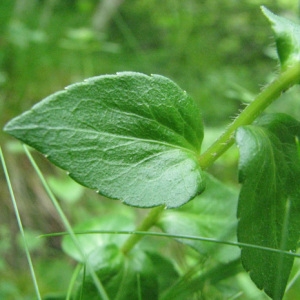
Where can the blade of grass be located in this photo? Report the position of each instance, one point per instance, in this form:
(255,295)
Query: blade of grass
(33,276)
(139,289)
(178,236)
(73,280)
(67,225)
(293,280)
(82,284)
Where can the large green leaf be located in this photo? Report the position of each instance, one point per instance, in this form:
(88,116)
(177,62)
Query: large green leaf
(211,215)
(129,136)
(287,37)
(269,201)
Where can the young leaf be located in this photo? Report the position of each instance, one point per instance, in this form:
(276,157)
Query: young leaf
(287,37)
(211,215)
(129,136)
(269,201)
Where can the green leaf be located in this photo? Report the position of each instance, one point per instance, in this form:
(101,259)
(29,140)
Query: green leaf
(90,242)
(287,37)
(129,136)
(211,215)
(130,276)
(269,201)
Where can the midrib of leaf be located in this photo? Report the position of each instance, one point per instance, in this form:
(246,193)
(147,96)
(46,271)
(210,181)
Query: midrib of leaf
(133,139)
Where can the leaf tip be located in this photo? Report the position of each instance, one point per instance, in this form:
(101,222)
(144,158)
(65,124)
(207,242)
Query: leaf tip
(269,14)
(265,11)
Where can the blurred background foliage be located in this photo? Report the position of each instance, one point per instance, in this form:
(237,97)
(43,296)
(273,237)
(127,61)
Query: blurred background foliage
(221,52)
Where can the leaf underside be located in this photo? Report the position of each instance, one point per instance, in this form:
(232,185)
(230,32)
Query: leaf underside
(269,201)
(129,136)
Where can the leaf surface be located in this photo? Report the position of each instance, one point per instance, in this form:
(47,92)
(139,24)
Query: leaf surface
(210,215)
(269,201)
(287,37)
(129,136)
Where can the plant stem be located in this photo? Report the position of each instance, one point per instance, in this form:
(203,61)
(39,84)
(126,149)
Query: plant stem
(147,223)
(283,82)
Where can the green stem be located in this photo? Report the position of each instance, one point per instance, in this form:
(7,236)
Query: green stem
(250,113)
(147,223)
(225,141)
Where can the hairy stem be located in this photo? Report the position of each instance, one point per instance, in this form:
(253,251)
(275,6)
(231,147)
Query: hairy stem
(283,82)
(250,113)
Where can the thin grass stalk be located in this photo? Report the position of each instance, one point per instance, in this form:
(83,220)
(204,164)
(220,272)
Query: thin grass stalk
(180,237)
(68,226)
(20,225)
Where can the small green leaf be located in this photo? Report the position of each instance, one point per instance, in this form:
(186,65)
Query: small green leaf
(124,277)
(287,37)
(129,136)
(269,201)
(211,215)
